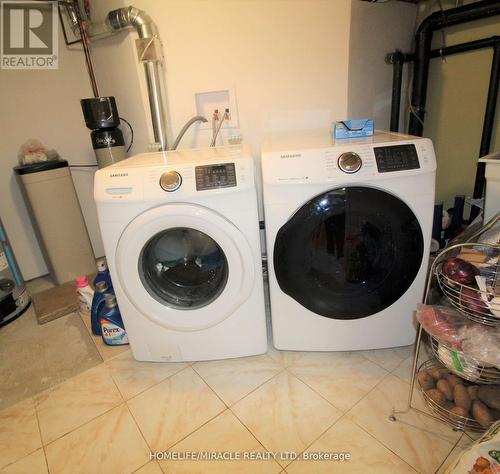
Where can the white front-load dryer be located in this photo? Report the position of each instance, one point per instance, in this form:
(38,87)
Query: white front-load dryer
(348,229)
(181,235)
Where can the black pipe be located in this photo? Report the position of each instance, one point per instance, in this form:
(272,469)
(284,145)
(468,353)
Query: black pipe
(489,120)
(465,47)
(491,102)
(450,50)
(423,39)
(397,59)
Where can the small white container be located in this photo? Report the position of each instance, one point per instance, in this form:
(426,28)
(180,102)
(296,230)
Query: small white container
(85,295)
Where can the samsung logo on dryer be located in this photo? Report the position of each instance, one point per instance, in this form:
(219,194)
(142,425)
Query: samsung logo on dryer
(291,155)
(118,175)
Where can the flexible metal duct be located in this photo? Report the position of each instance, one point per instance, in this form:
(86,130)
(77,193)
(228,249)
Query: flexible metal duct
(153,64)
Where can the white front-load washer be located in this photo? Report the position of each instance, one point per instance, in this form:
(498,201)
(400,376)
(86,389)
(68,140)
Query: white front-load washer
(181,235)
(348,229)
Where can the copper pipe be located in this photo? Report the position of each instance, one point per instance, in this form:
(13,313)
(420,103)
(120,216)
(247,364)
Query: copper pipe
(88,59)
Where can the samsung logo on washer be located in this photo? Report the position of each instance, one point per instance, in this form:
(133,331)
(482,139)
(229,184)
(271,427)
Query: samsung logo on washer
(291,155)
(118,175)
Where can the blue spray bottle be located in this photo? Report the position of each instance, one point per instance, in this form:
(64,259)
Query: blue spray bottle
(113,329)
(101,289)
(103,274)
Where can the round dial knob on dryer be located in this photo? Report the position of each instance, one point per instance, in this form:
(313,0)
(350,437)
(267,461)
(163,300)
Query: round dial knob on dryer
(170,181)
(350,162)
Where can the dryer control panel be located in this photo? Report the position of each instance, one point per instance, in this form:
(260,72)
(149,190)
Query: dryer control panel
(396,158)
(215,176)
(184,174)
(312,157)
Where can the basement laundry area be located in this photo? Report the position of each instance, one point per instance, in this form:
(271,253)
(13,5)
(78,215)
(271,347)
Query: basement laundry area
(250,236)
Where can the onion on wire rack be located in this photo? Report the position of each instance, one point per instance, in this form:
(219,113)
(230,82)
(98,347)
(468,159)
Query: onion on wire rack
(479,303)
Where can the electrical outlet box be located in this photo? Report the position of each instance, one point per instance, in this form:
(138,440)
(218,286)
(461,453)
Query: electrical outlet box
(220,99)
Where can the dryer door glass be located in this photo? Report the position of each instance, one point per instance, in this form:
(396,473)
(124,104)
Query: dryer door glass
(349,253)
(183,268)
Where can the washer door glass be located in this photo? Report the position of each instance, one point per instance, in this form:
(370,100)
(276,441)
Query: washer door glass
(349,253)
(183,268)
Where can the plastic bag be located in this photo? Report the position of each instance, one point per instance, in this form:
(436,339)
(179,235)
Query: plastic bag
(481,343)
(482,457)
(443,323)
(33,151)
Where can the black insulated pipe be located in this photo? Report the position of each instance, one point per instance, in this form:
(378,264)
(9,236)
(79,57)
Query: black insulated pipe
(491,102)
(423,41)
(397,59)
(466,47)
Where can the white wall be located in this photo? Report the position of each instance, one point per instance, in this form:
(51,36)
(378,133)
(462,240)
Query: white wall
(377,29)
(287,60)
(44,104)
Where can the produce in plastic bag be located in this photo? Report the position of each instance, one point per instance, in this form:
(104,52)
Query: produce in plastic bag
(481,343)
(458,363)
(443,323)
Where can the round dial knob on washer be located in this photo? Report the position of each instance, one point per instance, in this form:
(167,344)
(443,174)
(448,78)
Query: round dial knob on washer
(170,181)
(350,162)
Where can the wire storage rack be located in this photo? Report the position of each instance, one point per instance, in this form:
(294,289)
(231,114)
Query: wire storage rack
(457,420)
(476,297)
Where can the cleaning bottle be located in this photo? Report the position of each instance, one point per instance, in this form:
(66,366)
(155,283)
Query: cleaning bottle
(101,289)
(112,327)
(85,295)
(103,274)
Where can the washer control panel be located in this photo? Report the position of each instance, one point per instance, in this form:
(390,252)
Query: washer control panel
(350,162)
(170,181)
(221,175)
(396,158)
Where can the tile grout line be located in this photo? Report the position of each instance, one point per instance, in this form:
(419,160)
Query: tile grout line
(83,424)
(189,434)
(192,432)
(380,365)
(263,445)
(383,445)
(388,374)
(380,441)
(239,399)
(142,434)
(148,388)
(317,438)
(155,385)
(40,433)
(449,454)
(211,389)
(41,440)
(254,436)
(316,392)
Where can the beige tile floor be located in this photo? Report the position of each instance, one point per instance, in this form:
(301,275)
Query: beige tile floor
(295,405)
(282,408)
